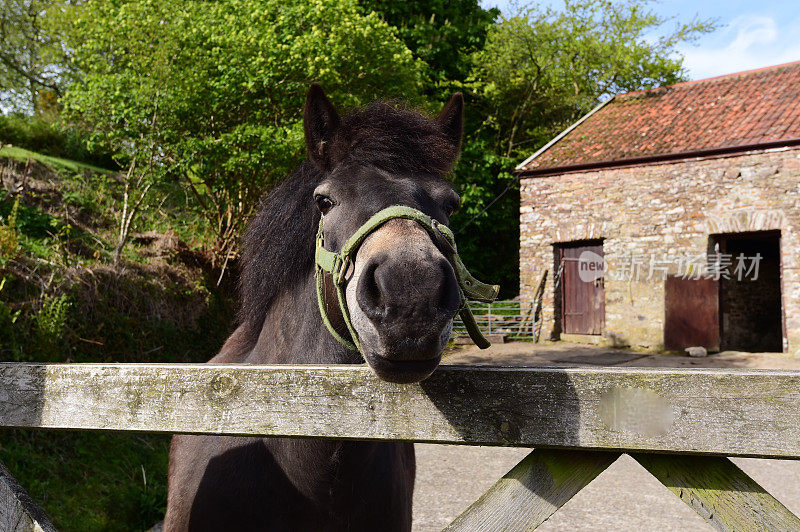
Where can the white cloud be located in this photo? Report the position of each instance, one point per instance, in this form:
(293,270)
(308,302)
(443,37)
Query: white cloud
(747,42)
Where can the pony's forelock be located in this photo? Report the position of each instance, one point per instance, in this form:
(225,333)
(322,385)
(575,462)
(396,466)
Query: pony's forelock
(395,138)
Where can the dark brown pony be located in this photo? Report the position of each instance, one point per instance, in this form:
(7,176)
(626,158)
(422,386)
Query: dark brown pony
(401,294)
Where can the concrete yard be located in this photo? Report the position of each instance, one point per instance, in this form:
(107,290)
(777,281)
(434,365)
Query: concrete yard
(625,497)
(569,354)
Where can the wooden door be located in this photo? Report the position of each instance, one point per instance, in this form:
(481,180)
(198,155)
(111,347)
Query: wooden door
(691,316)
(583,298)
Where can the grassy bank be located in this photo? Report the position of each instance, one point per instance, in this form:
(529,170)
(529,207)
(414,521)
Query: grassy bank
(60,301)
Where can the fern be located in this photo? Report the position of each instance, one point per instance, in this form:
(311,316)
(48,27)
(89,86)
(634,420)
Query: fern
(52,319)
(9,239)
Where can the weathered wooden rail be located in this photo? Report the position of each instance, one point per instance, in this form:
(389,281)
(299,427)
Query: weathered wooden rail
(578,420)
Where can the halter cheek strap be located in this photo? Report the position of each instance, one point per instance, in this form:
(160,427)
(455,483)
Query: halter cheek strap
(337,264)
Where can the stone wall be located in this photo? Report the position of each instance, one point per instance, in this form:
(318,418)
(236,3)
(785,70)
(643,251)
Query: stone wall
(656,211)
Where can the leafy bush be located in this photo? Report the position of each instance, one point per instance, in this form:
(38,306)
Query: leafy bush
(29,132)
(50,138)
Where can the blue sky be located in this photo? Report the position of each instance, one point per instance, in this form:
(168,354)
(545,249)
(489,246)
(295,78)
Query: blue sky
(749,34)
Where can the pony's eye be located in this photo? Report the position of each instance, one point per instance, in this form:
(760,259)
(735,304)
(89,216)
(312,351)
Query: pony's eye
(451,207)
(324,204)
(451,203)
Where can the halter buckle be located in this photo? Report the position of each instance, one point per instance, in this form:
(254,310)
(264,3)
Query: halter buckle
(344,265)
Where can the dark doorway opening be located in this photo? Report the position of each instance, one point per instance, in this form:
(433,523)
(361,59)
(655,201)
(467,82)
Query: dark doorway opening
(580,293)
(750,298)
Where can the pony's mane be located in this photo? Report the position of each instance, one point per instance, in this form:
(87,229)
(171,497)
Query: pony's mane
(278,246)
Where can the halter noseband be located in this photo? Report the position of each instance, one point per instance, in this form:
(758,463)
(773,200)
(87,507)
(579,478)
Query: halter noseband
(337,264)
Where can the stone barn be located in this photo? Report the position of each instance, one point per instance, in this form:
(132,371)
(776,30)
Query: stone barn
(669,218)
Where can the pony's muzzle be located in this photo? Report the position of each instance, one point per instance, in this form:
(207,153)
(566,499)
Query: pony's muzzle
(409,292)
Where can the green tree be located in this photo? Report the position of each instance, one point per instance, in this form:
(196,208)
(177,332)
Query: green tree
(210,93)
(544,68)
(538,72)
(442,33)
(123,97)
(31,55)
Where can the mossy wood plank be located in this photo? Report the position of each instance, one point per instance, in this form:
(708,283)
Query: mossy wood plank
(533,490)
(728,412)
(720,492)
(18,512)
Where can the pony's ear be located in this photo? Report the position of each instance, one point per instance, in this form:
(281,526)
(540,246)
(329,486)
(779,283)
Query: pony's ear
(452,119)
(320,122)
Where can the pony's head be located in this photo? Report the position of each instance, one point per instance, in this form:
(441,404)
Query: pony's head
(400,290)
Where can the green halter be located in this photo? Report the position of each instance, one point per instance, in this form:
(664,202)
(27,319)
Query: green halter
(337,264)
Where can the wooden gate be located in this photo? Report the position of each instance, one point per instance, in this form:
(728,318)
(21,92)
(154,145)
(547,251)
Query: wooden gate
(691,313)
(583,298)
(679,424)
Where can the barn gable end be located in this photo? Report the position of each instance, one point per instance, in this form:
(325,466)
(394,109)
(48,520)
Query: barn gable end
(689,181)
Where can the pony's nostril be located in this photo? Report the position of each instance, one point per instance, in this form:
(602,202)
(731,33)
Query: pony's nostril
(450,296)
(369,294)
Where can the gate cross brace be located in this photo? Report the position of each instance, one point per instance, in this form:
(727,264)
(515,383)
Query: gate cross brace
(18,512)
(714,487)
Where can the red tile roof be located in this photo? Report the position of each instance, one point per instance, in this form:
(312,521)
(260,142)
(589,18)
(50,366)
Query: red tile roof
(723,113)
